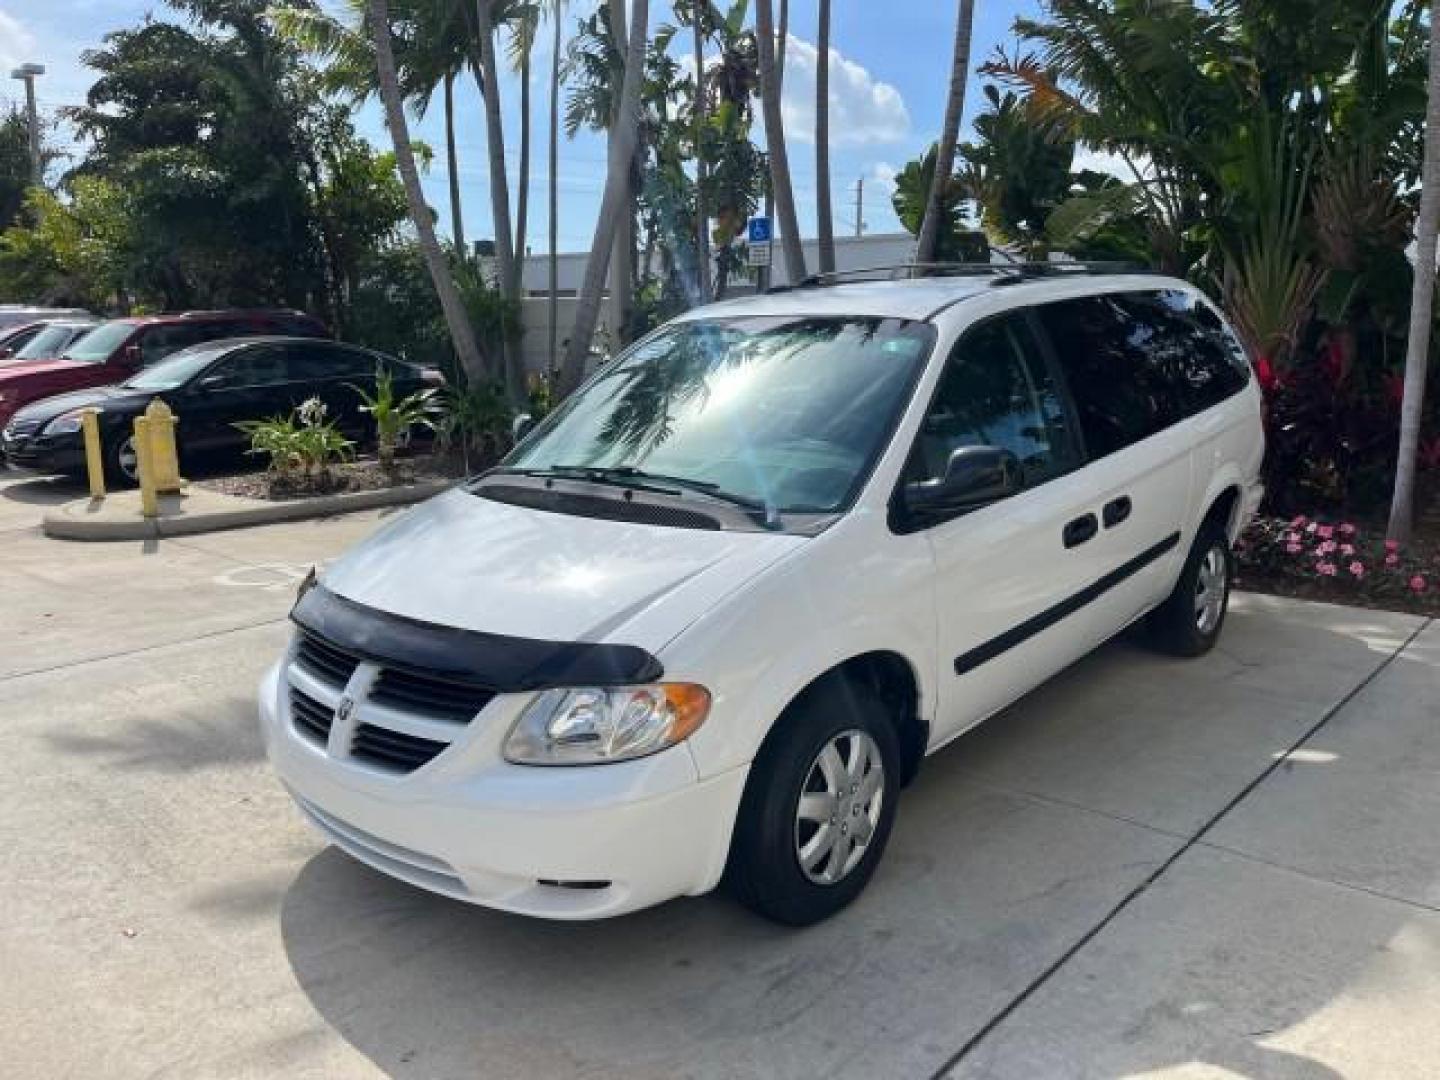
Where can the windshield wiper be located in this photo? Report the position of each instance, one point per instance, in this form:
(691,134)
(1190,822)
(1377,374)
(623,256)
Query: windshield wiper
(639,479)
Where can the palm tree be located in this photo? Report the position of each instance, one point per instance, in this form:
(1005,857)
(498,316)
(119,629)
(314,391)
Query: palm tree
(702,17)
(775,142)
(452,167)
(462,334)
(822,144)
(1417,356)
(949,135)
(524,24)
(557,8)
(622,260)
(624,137)
(485,11)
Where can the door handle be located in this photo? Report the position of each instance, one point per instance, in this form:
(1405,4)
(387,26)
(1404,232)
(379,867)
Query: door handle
(1081,530)
(1116,511)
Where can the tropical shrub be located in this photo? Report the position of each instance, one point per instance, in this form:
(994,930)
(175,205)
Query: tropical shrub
(395,418)
(301,447)
(474,419)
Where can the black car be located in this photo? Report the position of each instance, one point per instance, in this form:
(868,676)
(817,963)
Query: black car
(210,387)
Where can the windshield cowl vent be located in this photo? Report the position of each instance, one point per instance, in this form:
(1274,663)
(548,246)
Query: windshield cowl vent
(609,508)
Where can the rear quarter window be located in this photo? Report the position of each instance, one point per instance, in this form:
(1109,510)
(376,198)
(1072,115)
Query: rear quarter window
(1137,363)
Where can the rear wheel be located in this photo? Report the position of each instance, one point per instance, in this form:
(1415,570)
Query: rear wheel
(818,807)
(1190,621)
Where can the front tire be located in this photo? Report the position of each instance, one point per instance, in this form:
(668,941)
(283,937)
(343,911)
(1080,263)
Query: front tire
(818,807)
(1189,623)
(122,461)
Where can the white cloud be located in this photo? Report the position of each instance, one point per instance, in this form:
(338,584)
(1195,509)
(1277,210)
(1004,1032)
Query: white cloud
(863,110)
(16,43)
(1102,161)
(883,175)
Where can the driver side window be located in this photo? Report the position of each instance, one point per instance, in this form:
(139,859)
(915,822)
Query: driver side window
(996,391)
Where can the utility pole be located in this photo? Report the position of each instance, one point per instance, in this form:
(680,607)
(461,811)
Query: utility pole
(27,73)
(860,207)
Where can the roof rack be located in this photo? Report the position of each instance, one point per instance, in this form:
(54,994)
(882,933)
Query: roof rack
(1002,273)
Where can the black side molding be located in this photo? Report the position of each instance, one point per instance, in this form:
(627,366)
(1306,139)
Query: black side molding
(1018,635)
(492,661)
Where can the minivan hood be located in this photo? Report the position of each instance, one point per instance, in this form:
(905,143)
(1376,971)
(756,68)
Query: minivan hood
(465,561)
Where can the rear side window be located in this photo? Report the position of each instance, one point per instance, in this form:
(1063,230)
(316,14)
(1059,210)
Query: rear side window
(1139,362)
(319,362)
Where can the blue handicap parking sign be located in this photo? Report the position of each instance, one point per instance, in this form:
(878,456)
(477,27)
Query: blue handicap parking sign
(760,230)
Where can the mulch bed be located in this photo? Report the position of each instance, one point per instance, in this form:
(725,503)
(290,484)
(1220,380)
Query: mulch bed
(364,474)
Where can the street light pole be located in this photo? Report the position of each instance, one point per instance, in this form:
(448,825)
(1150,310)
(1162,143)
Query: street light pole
(27,74)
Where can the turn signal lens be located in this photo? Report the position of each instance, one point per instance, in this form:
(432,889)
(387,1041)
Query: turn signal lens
(595,725)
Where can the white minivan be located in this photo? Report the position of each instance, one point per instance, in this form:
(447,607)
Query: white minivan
(710,616)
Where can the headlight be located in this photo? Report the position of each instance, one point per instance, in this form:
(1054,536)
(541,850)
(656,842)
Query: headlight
(66,423)
(592,725)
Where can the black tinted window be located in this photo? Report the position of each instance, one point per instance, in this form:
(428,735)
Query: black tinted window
(318,362)
(996,391)
(263,365)
(160,341)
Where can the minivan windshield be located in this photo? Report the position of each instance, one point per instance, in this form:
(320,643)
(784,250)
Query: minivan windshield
(96,346)
(786,413)
(178,368)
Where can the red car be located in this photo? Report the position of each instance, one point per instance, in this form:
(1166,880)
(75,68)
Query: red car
(117,350)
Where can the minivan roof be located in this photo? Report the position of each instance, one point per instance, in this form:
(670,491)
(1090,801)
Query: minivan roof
(921,299)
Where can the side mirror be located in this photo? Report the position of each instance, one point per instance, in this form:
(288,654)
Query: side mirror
(521,426)
(974,477)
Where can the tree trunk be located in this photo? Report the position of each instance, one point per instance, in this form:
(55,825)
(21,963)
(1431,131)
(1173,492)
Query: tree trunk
(1422,303)
(775,144)
(452,167)
(462,334)
(553,354)
(782,44)
(623,138)
(495,142)
(522,197)
(500,197)
(702,210)
(949,136)
(822,144)
(622,260)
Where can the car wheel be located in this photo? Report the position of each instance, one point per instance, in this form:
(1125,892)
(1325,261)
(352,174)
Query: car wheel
(818,806)
(1190,621)
(122,462)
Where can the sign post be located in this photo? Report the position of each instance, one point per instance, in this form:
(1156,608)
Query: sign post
(761,236)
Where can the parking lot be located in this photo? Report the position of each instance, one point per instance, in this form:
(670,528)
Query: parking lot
(1150,867)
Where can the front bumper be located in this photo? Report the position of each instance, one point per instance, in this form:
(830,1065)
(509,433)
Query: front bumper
(43,453)
(561,843)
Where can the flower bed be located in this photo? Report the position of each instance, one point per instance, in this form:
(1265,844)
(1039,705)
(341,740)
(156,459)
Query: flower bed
(1340,562)
(363,474)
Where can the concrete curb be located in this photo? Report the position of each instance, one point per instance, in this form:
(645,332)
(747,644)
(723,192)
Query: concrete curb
(199,511)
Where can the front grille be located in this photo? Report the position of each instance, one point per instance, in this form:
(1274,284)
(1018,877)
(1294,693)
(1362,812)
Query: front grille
(311,718)
(393,749)
(325,661)
(437,698)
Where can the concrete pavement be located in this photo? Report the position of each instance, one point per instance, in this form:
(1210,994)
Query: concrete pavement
(1147,867)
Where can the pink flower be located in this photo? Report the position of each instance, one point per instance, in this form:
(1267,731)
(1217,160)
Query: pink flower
(1299,522)
(1326,531)
(1347,529)
(1311,527)
(1294,548)
(1291,537)
(1326,569)
(1417,584)
(1392,545)
(1327,548)
(1392,559)
(1357,569)
(1347,550)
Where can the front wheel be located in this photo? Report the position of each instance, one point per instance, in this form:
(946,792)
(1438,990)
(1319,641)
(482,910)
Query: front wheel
(818,807)
(1189,622)
(122,461)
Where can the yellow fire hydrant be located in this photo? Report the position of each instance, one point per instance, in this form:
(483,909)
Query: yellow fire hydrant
(159,464)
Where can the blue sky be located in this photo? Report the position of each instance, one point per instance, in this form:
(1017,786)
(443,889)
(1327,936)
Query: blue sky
(887,101)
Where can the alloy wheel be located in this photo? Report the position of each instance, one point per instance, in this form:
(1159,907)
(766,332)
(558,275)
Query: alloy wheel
(839,807)
(1211,583)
